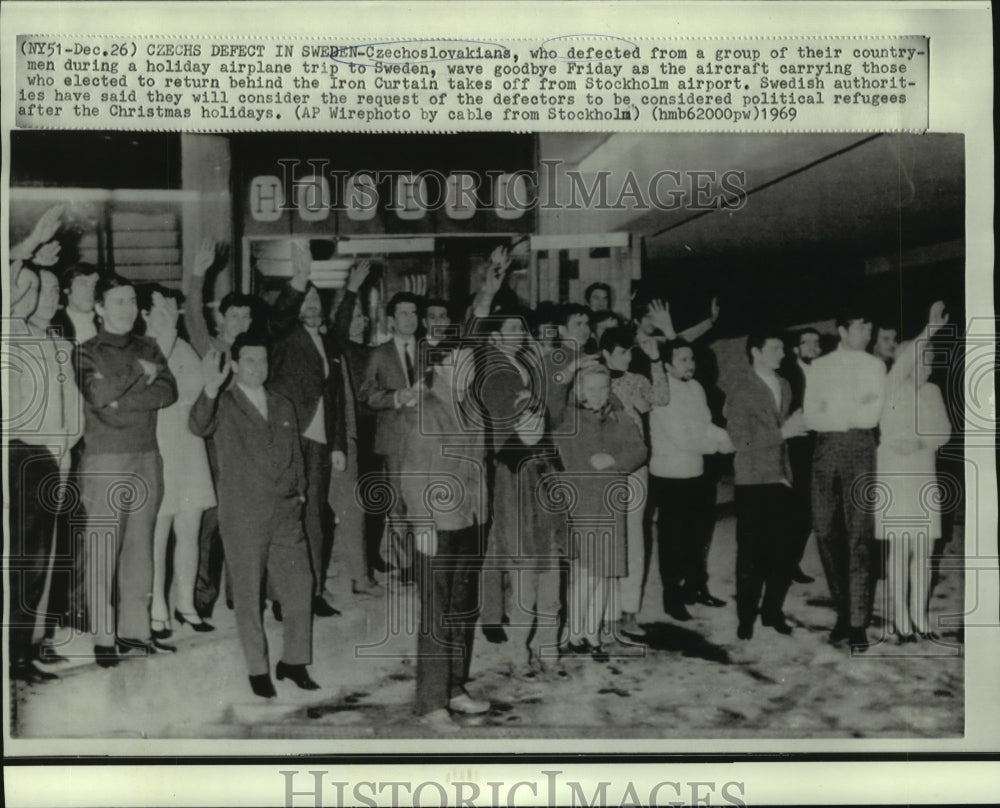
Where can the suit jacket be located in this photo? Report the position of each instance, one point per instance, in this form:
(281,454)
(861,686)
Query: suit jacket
(297,374)
(260,461)
(384,375)
(754,425)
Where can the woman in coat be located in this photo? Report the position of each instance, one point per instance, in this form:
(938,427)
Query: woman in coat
(598,453)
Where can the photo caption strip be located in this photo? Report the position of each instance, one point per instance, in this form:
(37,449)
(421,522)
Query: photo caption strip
(570,83)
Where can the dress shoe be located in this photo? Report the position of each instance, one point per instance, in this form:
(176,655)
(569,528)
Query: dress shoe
(404,577)
(706,598)
(859,640)
(133,649)
(777,622)
(630,626)
(440,721)
(929,635)
(494,633)
(840,631)
(905,639)
(262,686)
(745,630)
(679,611)
(276,611)
(799,577)
(599,654)
(160,629)
(323,609)
(297,673)
(582,647)
(466,705)
(106,656)
(365,587)
(185,618)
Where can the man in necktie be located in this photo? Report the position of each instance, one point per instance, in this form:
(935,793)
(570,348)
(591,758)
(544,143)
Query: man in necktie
(391,386)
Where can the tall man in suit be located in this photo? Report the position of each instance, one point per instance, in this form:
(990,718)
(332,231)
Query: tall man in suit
(306,369)
(759,424)
(390,387)
(804,349)
(261,490)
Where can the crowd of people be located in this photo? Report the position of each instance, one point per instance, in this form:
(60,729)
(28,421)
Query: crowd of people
(516,465)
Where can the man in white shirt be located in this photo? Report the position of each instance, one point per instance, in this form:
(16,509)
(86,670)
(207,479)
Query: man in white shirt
(843,403)
(681,433)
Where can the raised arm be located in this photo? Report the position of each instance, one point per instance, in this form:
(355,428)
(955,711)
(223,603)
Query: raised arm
(194,310)
(702,328)
(284,313)
(203,419)
(908,356)
(345,311)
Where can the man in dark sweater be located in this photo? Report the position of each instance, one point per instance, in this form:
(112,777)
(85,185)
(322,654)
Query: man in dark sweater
(124,380)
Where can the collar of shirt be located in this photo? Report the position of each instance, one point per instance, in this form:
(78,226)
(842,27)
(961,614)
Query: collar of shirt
(257,396)
(771,380)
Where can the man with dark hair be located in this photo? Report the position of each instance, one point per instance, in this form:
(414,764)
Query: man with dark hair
(75,320)
(261,490)
(654,326)
(681,433)
(306,369)
(561,364)
(598,297)
(759,422)
(234,317)
(390,387)
(436,320)
(843,403)
(805,347)
(885,343)
(124,379)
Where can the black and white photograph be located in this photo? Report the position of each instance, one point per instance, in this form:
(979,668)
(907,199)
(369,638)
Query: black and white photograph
(486,436)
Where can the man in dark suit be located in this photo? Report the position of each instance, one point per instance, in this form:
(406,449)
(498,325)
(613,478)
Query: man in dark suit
(759,424)
(306,369)
(261,490)
(805,348)
(390,387)
(76,321)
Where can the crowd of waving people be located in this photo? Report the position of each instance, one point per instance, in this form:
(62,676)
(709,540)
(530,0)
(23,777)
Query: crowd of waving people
(517,466)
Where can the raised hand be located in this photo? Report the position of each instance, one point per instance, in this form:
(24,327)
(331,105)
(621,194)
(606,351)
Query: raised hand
(204,258)
(937,318)
(500,258)
(358,275)
(23,290)
(301,264)
(659,313)
(714,309)
(47,254)
(215,369)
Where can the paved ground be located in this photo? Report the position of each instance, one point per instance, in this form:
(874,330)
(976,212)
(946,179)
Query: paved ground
(693,680)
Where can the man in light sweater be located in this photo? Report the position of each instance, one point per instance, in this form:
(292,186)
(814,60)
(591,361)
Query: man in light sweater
(843,402)
(681,433)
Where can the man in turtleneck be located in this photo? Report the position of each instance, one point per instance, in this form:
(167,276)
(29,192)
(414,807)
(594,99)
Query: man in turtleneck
(124,380)
(306,369)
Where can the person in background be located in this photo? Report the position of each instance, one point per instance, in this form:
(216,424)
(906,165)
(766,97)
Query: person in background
(563,362)
(654,326)
(446,535)
(885,344)
(41,431)
(913,425)
(187,480)
(795,369)
(637,396)
(606,448)
(390,387)
(436,321)
(681,433)
(598,297)
(305,368)
(602,321)
(125,381)
(358,533)
(261,490)
(76,320)
(843,403)
(234,317)
(760,422)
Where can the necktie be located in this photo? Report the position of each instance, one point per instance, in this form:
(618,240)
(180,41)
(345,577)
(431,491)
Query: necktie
(411,374)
